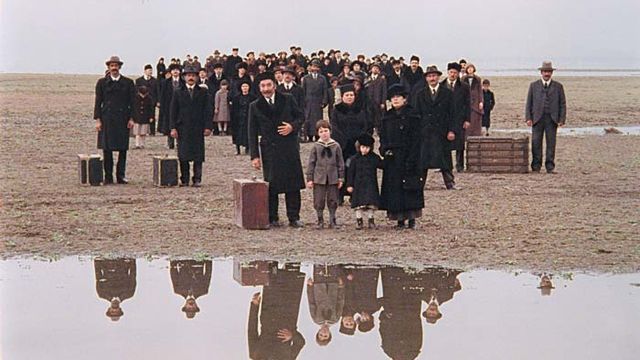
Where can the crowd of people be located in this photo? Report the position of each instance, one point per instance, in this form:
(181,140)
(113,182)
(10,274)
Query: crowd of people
(272,103)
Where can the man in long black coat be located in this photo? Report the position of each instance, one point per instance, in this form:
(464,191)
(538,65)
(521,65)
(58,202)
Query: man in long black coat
(115,282)
(376,89)
(290,87)
(151,83)
(434,103)
(191,120)
(167,88)
(274,120)
(276,311)
(190,279)
(461,110)
(216,78)
(231,62)
(113,113)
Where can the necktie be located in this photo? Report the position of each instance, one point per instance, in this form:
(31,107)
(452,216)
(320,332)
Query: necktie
(315,76)
(191,92)
(270,101)
(433,91)
(546,85)
(452,84)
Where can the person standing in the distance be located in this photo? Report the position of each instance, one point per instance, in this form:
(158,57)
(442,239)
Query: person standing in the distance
(113,113)
(475,101)
(161,69)
(239,117)
(151,84)
(315,97)
(489,101)
(460,112)
(434,106)
(167,87)
(546,109)
(190,121)
(376,89)
(274,120)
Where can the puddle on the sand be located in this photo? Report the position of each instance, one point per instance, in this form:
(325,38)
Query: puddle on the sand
(582,131)
(138,309)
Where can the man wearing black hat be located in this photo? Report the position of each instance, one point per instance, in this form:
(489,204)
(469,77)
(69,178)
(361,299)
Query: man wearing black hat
(461,110)
(191,120)
(240,76)
(546,109)
(414,75)
(167,87)
(152,84)
(113,113)
(314,85)
(274,120)
(230,65)
(290,87)
(434,103)
(216,78)
(396,76)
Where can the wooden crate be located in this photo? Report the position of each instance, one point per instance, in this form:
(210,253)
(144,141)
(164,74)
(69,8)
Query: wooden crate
(251,204)
(497,154)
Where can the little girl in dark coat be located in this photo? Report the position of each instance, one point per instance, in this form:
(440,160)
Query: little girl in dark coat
(362,181)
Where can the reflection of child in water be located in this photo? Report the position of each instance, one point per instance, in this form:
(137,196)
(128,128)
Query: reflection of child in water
(326,301)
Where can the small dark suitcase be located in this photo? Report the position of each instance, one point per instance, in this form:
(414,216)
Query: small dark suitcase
(165,170)
(254,273)
(497,154)
(90,169)
(251,204)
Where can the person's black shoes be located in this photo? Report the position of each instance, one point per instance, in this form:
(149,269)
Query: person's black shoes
(123,181)
(296,224)
(275,224)
(320,224)
(400,225)
(412,224)
(197,184)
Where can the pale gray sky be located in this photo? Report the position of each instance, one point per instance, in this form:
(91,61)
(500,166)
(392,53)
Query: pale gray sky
(76,36)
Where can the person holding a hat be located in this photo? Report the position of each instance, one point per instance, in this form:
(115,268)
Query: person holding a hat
(546,109)
(167,87)
(190,121)
(461,110)
(402,193)
(151,84)
(113,115)
(434,104)
(314,85)
(190,279)
(376,89)
(274,121)
(290,87)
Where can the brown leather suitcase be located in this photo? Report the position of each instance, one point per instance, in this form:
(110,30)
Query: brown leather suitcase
(90,169)
(497,154)
(251,204)
(165,170)
(254,273)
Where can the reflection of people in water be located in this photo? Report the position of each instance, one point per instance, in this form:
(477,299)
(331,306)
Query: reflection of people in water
(325,292)
(278,306)
(438,285)
(361,300)
(115,282)
(545,285)
(400,324)
(191,280)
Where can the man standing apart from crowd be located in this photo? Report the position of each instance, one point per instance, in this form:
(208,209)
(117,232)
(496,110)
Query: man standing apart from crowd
(315,97)
(274,120)
(113,113)
(546,109)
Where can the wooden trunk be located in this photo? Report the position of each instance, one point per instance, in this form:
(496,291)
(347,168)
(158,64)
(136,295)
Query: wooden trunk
(165,170)
(251,204)
(90,169)
(497,154)
(254,273)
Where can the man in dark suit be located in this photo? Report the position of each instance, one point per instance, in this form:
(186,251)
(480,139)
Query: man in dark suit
(216,78)
(113,113)
(152,84)
(434,105)
(414,76)
(376,88)
(546,109)
(115,282)
(396,76)
(461,110)
(274,121)
(290,87)
(315,86)
(190,121)
(190,279)
(230,65)
(167,88)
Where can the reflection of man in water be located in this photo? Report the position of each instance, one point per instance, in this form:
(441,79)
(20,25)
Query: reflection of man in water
(361,299)
(115,282)
(191,280)
(277,337)
(439,286)
(545,285)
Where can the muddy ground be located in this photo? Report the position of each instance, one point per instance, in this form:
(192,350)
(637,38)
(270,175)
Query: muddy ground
(585,218)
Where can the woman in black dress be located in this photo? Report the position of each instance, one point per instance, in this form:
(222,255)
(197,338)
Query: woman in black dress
(239,115)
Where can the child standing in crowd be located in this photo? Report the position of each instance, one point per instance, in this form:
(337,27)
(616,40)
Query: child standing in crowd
(362,181)
(221,114)
(489,102)
(143,115)
(325,173)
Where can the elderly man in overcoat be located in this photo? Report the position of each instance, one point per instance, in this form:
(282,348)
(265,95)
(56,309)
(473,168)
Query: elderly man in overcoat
(274,120)
(113,113)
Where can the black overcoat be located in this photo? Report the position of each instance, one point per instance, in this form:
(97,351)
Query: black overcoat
(191,116)
(114,107)
(280,154)
(435,123)
(190,277)
(362,176)
(166,93)
(239,118)
(349,122)
(115,278)
(460,111)
(400,145)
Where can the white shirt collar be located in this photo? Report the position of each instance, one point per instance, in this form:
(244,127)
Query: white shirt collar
(546,82)
(191,87)
(115,78)
(175,78)
(272,97)
(435,87)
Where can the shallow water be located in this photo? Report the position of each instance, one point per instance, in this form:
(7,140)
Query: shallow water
(58,310)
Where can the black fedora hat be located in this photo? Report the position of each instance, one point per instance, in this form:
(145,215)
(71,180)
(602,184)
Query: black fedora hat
(432,69)
(396,90)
